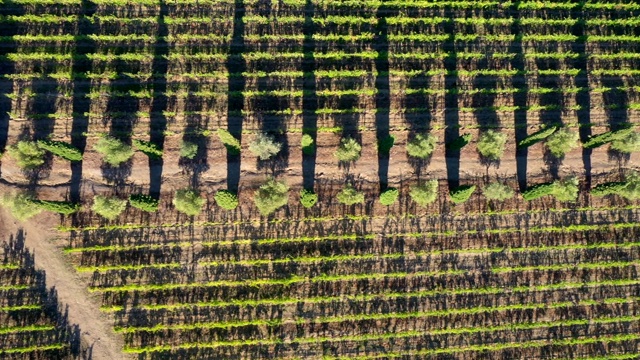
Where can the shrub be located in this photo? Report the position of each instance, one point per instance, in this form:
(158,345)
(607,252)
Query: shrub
(498,191)
(491,144)
(271,196)
(563,190)
(562,141)
(537,136)
(627,144)
(108,208)
(421,146)
(460,142)
(350,196)
(60,207)
(27,154)
(425,193)
(389,196)
(264,146)
(148,148)
(349,150)
(114,151)
(226,199)
(21,206)
(230,142)
(385,145)
(188,201)
(188,150)
(604,138)
(308,146)
(629,189)
(462,193)
(308,198)
(143,202)
(61,149)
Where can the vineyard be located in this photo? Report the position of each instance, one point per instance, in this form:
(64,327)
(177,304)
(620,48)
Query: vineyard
(325,179)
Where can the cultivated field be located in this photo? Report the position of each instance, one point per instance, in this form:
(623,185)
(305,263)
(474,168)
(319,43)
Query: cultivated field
(328,179)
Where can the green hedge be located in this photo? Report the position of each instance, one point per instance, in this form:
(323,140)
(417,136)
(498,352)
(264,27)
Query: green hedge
(462,193)
(563,190)
(602,139)
(389,196)
(226,199)
(425,193)
(385,145)
(308,146)
(108,208)
(61,149)
(60,207)
(230,142)
(144,202)
(460,142)
(188,201)
(537,136)
(27,154)
(148,148)
(350,196)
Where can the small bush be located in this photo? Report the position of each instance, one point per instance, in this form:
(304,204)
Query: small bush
(389,196)
(562,141)
(498,191)
(21,206)
(143,202)
(60,207)
(460,142)
(230,142)
(114,151)
(350,196)
(271,196)
(27,154)
(629,189)
(627,144)
(491,144)
(308,146)
(538,191)
(226,199)
(563,190)
(61,149)
(421,146)
(188,150)
(108,208)
(349,150)
(308,198)
(385,145)
(462,193)
(148,148)
(188,201)
(537,136)
(607,137)
(425,193)
(264,146)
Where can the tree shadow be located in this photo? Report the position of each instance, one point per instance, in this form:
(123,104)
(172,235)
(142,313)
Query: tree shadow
(81,106)
(309,97)
(484,102)
(7,67)
(616,102)
(519,81)
(552,103)
(451,115)
(383,94)
(158,124)
(236,65)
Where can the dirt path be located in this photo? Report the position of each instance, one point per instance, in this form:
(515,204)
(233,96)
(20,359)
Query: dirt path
(84,311)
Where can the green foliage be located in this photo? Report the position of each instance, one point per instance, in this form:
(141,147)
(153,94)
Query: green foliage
(60,207)
(627,144)
(21,206)
(148,148)
(462,193)
(421,146)
(226,199)
(349,150)
(143,202)
(491,144)
(61,149)
(271,196)
(264,146)
(308,146)
(188,201)
(460,142)
(537,136)
(350,196)
(385,145)
(498,191)
(563,190)
(562,141)
(308,198)
(629,189)
(389,196)
(108,208)
(27,154)
(188,150)
(425,193)
(230,142)
(609,136)
(114,151)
